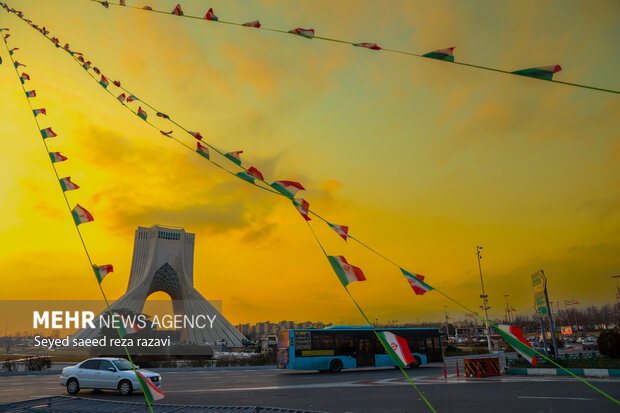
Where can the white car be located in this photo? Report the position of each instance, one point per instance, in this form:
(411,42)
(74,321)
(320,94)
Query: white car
(105,373)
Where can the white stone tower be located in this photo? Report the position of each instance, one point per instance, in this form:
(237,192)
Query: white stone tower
(163,260)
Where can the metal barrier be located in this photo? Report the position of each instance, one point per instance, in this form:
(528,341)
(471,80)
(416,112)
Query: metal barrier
(66,404)
(482,367)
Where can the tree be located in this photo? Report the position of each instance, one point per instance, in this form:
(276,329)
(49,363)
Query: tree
(609,343)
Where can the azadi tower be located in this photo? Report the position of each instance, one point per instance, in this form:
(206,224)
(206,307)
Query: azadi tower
(163,260)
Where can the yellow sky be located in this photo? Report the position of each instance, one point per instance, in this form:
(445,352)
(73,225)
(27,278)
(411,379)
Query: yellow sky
(422,159)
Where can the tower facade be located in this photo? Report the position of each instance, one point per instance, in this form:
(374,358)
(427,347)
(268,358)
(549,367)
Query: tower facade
(163,260)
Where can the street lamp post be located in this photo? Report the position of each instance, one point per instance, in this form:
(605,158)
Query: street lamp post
(485,301)
(617,288)
(507,309)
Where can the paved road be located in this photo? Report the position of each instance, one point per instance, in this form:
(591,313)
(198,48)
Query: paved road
(354,391)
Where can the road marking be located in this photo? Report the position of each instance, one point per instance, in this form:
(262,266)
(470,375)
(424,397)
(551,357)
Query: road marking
(553,398)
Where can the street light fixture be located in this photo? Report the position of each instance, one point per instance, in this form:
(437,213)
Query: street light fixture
(507,309)
(617,287)
(485,301)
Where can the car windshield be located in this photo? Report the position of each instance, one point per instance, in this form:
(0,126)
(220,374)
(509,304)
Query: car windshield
(122,364)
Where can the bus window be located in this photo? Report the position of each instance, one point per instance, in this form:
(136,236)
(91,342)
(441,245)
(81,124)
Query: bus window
(345,346)
(322,341)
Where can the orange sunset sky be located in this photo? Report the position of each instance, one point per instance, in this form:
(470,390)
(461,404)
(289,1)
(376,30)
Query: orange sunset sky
(423,159)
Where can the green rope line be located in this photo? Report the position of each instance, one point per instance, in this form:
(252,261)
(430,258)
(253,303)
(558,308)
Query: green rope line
(144,390)
(329,39)
(430,406)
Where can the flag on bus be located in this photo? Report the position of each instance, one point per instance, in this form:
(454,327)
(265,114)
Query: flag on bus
(397,347)
(346,272)
(417,283)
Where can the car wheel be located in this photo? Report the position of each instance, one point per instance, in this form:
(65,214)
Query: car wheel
(73,386)
(335,366)
(125,388)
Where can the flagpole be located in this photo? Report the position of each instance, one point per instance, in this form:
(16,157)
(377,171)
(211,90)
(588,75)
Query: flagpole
(484,302)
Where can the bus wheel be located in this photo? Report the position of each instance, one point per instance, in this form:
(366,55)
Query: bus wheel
(335,366)
(416,363)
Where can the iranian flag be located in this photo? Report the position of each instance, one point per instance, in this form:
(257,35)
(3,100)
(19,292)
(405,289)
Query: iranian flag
(372,46)
(86,65)
(178,11)
(245,176)
(67,185)
(346,272)
(302,206)
(31,94)
(417,282)
(167,134)
(543,72)
(24,77)
(48,133)
(116,83)
(256,173)
(442,54)
(202,150)
(196,135)
(397,347)
(121,97)
(150,390)
(287,188)
(211,16)
(234,156)
(39,112)
(127,325)
(81,215)
(141,113)
(102,270)
(341,230)
(255,24)
(57,157)
(307,33)
(131,98)
(104,81)
(514,336)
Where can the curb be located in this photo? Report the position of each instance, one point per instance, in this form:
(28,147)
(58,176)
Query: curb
(560,372)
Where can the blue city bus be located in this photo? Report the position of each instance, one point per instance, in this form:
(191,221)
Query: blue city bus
(335,348)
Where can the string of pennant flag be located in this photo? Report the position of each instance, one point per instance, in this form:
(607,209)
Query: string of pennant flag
(446,54)
(346,272)
(79,214)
